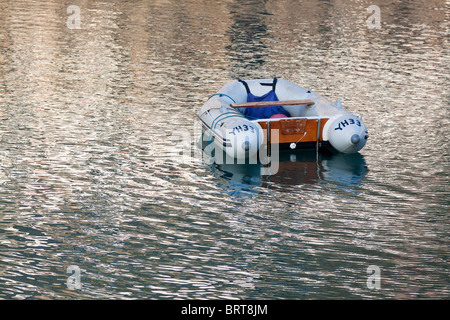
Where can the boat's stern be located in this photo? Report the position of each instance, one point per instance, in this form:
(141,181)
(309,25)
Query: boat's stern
(293,133)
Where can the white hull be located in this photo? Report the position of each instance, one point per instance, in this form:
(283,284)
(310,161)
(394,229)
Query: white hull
(323,123)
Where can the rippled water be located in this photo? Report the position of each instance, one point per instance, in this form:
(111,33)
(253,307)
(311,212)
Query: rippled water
(93,173)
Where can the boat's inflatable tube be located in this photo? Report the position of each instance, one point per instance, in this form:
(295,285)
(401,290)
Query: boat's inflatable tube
(229,130)
(346,133)
(243,138)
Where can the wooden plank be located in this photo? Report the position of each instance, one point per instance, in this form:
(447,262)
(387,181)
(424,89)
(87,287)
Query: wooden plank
(293,126)
(309,131)
(272,103)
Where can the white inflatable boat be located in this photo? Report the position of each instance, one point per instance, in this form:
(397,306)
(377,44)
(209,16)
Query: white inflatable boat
(286,115)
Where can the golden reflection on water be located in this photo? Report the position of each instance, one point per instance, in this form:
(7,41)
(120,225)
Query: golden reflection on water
(88,117)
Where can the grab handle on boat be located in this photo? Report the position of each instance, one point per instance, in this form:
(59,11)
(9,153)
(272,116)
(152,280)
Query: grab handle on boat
(272,103)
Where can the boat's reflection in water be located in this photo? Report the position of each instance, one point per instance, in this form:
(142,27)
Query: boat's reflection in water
(295,168)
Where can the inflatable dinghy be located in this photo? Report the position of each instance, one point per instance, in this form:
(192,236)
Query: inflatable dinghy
(246,115)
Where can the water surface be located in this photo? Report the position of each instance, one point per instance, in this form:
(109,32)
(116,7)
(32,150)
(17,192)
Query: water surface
(93,174)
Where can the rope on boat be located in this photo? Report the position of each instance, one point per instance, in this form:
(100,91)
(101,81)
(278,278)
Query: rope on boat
(222,94)
(222,117)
